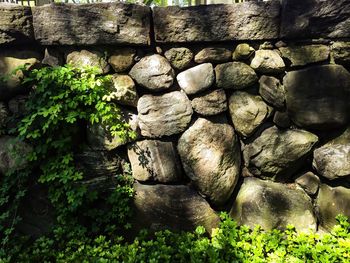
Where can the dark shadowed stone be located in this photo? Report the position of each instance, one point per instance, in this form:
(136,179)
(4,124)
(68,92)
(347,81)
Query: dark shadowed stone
(17,105)
(210,154)
(176,207)
(92,24)
(330,202)
(272,91)
(309,182)
(341,52)
(315,19)
(267,62)
(248,112)
(332,161)
(122,59)
(278,153)
(210,103)
(153,72)
(217,22)
(242,52)
(164,115)
(273,206)
(180,58)
(303,55)
(318,97)
(213,55)
(16,25)
(235,75)
(4,114)
(90,58)
(154,160)
(122,90)
(281,119)
(53,57)
(196,79)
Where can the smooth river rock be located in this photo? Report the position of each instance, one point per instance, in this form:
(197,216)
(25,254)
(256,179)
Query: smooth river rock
(213,55)
(88,58)
(309,181)
(122,59)
(318,97)
(122,90)
(242,52)
(210,102)
(180,58)
(273,206)
(272,91)
(210,154)
(164,115)
(267,62)
(303,55)
(277,154)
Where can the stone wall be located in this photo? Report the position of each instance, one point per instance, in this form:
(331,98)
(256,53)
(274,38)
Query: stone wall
(241,108)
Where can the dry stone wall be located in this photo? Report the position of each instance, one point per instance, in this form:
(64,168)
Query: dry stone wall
(241,108)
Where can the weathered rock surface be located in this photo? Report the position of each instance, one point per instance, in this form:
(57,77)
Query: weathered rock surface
(248,112)
(122,59)
(332,161)
(317,97)
(16,25)
(235,75)
(242,52)
(122,90)
(153,72)
(176,207)
(92,24)
(210,154)
(281,119)
(303,55)
(213,55)
(273,205)
(4,114)
(205,22)
(154,160)
(272,91)
(196,79)
(180,58)
(278,153)
(309,182)
(164,115)
(314,19)
(341,52)
(330,202)
(267,62)
(210,103)
(52,57)
(90,58)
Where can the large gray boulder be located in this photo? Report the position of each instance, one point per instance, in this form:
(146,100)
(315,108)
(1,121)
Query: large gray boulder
(330,202)
(210,102)
(317,97)
(235,75)
(180,57)
(153,72)
(196,79)
(154,160)
(303,55)
(248,112)
(277,154)
(273,206)
(92,24)
(164,115)
(313,19)
(267,62)
(341,52)
(333,161)
(244,21)
(16,25)
(213,55)
(272,91)
(210,154)
(175,207)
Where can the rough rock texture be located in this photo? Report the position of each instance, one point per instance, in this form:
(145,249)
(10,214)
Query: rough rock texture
(235,75)
(210,154)
(180,58)
(333,161)
(123,90)
(309,182)
(317,97)
(281,119)
(278,153)
(248,112)
(315,19)
(210,103)
(272,91)
(4,114)
(91,58)
(341,52)
(273,205)
(15,24)
(303,55)
(92,24)
(122,59)
(267,62)
(196,79)
(330,202)
(52,57)
(154,160)
(164,115)
(176,207)
(242,52)
(153,72)
(217,22)
(213,55)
